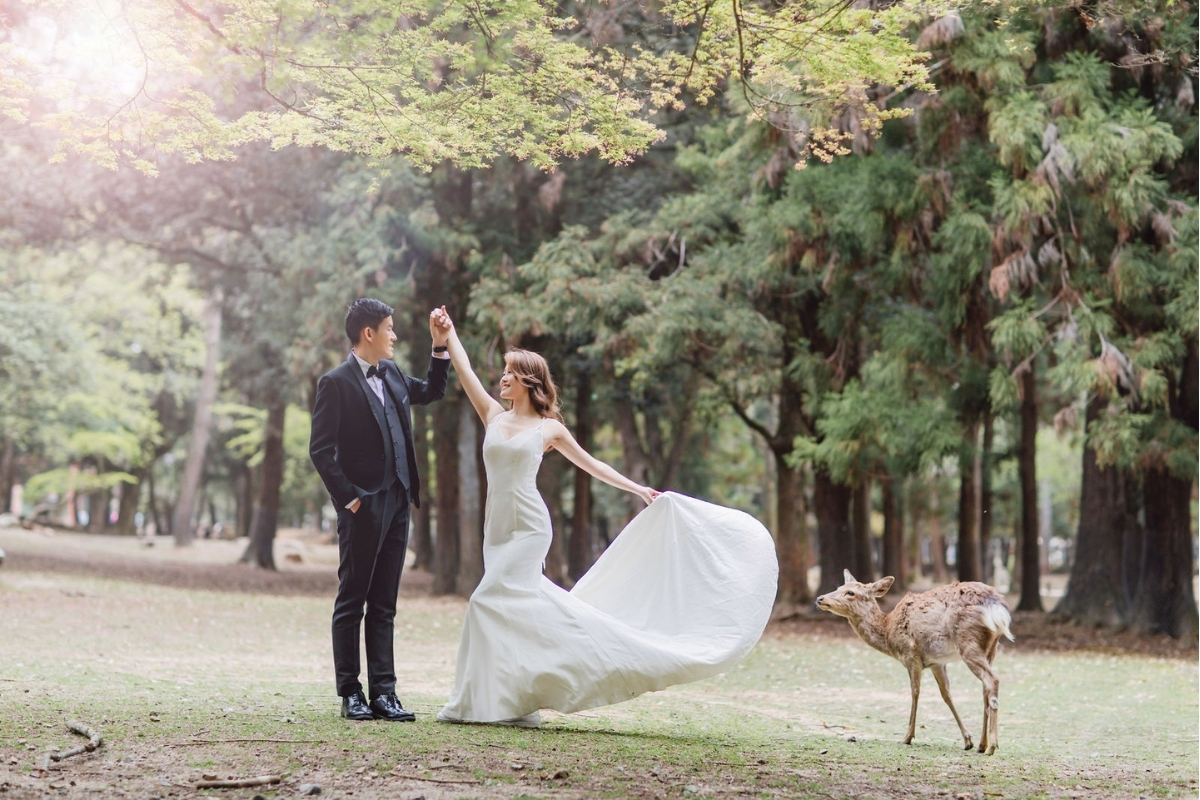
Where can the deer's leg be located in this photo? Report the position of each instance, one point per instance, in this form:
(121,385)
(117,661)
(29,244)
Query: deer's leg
(914,678)
(976,659)
(994,731)
(943,682)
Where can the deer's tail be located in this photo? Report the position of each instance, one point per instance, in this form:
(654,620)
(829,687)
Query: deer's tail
(997,618)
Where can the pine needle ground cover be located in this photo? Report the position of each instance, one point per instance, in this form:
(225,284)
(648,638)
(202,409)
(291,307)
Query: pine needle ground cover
(189,684)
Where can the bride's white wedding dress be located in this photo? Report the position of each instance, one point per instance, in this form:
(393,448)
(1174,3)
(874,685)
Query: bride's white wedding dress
(682,594)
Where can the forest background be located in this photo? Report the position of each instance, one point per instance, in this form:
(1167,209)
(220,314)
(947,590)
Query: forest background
(915,284)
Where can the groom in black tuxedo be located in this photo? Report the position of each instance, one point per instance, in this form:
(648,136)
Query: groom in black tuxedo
(362,447)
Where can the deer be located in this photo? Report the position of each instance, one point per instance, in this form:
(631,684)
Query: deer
(929,630)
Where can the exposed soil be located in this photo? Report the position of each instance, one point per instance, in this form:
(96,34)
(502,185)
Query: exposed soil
(1034,631)
(232,683)
(207,577)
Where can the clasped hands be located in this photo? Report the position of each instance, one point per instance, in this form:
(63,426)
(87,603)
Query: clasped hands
(440,326)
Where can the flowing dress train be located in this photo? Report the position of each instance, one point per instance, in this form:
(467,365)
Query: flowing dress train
(683,593)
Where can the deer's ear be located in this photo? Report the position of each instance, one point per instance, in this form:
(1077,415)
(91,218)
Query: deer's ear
(882,585)
(847,577)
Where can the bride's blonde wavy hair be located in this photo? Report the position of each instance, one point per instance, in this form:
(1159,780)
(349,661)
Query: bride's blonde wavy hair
(534,374)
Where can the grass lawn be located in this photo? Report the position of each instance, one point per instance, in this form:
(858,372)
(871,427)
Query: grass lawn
(188,683)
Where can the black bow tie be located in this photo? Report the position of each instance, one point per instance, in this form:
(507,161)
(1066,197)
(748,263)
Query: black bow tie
(377,371)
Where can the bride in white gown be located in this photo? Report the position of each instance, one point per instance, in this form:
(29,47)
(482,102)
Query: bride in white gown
(683,593)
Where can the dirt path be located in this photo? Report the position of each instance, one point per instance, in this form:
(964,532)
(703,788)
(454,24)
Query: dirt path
(307,566)
(199,569)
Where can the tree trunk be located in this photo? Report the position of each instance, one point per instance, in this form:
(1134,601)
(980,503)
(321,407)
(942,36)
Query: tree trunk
(152,502)
(770,493)
(791,538)
(446,540)
(937,542)
(860,508)
(835,539)
(1096,591)
(915,508)
(260,551)
(245,501)
(680,433)
(1133,546)
(893,536)
(70,513)
(16,500)
(984,460)
(108,503)
(421,538)
(549,483)
(201,502)
(967,563)
(6,478)
(470,503)
(1165,601)
(447,281)
(185,505)
(1045,524)
(127,507)
(634,455)
(1014,549)
(1031,597)
(98,503)
(637,466)
(579,555)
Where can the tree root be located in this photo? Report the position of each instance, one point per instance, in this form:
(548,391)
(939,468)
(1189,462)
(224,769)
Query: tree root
(192,742)
(239,783)
(94,740)
(431,780)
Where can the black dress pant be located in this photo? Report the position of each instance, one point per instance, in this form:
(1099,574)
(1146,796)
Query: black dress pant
(371,548)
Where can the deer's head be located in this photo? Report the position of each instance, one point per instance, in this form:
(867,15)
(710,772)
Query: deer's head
(853,599)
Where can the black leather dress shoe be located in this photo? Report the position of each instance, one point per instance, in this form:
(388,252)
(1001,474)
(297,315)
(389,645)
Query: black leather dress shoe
(387,706)
(355,707)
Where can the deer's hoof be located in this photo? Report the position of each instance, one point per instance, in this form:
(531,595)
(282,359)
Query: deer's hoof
(969,744)
(908,739)
(987,751)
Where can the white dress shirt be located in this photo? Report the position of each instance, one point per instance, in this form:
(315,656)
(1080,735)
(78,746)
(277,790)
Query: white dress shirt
(374,381)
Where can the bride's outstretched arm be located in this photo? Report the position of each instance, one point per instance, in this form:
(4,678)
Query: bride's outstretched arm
(558,437)
(485,405)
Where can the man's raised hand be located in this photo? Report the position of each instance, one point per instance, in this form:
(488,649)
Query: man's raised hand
(439,326)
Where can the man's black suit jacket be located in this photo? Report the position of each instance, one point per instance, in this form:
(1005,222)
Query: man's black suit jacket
(346,445)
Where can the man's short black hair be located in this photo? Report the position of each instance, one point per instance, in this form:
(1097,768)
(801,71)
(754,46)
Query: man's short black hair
(365,312)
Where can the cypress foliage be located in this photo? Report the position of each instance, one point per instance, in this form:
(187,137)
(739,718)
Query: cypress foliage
(1028,232)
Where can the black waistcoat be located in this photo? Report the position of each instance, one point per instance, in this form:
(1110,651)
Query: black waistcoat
(394,452)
